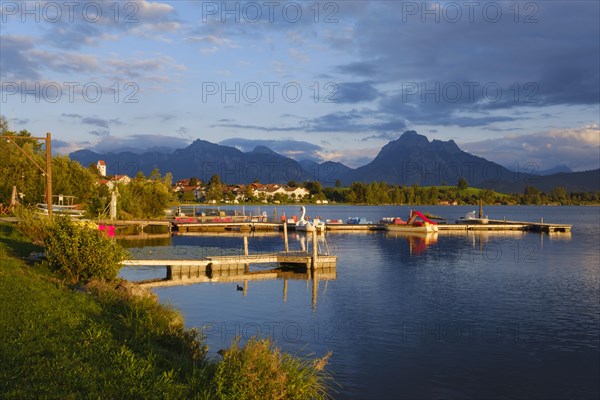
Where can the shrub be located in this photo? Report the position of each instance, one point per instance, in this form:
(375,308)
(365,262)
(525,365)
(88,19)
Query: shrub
(33,224)
(81,253)
(260,371)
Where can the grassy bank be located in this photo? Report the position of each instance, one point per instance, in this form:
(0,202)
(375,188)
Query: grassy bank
(101,341)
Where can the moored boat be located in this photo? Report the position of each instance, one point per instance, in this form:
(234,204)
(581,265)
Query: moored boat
(471,219)
(417,222)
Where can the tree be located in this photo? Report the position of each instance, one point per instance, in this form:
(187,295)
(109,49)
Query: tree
(559,194)
(145,198)
(214,190)
(338,183)
(18,170)
(462,184)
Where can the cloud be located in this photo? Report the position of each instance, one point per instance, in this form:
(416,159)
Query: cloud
(360,68)
(16,62)
(62,147)
(139,143)
(296,149)
(577,148)
(100,122)
(100,132)
(355,92)
(88,23)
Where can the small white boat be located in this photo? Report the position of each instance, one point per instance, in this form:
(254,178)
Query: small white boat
(471,219)
(70,210)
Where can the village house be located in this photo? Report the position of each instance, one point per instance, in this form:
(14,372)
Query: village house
(101,167)
(112,181)
(270,191)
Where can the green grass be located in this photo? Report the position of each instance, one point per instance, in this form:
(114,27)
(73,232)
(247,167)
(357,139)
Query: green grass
(63,342)
(59,343)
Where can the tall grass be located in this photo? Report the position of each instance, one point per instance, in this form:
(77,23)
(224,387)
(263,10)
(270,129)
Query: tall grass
(258,370)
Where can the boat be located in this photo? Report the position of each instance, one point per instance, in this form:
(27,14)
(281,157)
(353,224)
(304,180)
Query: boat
(358,221)
(471,219)
(70,210)
(423,225)
(302,225)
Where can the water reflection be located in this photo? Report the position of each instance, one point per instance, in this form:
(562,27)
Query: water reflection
(417,242)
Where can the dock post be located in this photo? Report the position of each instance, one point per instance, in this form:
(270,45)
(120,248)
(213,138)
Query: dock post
(245,245)
(315,290)
(285,237)
(315,253)
(285,289)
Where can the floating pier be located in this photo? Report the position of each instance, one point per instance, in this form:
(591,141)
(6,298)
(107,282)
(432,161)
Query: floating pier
(211,267)
(503,225)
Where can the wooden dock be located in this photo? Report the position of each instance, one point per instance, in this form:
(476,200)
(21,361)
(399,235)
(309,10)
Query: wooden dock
(502,225)
(354,227)
(237,265)
(185,227)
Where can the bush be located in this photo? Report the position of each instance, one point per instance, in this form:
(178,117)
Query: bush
(81,253)
(259,371)
(33,224)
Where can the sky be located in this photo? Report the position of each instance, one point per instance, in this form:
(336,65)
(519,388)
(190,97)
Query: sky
(515,82)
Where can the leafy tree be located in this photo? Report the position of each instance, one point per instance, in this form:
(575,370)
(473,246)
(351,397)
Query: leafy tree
(338,183)
(144,198)
(17,169)
(71,179)
(462,184)
(214,190)
(559,194)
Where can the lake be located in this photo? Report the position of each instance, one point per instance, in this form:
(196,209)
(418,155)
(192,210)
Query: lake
(477,315)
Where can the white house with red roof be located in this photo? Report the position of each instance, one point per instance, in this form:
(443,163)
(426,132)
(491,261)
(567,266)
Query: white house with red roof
(101,166)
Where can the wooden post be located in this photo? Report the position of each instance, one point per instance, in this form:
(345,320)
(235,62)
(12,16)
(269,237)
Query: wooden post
(245,245)
(315,290)
(315,253)
(285,237)
(285,289)
(49,172)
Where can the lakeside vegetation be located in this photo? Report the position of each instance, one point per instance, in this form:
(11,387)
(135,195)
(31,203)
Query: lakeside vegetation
(65,335)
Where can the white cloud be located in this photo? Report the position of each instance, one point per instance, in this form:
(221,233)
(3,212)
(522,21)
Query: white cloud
(577,148)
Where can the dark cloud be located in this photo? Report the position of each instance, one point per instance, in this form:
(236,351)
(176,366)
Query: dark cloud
(20,121)
(100,132)
(78,116)
(101,122)
(355,92)
(359,68)
(558,52)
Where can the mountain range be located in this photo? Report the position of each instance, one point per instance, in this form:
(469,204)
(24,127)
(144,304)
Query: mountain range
(411,159)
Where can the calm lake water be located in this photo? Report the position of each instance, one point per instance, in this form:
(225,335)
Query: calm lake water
(478,315)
